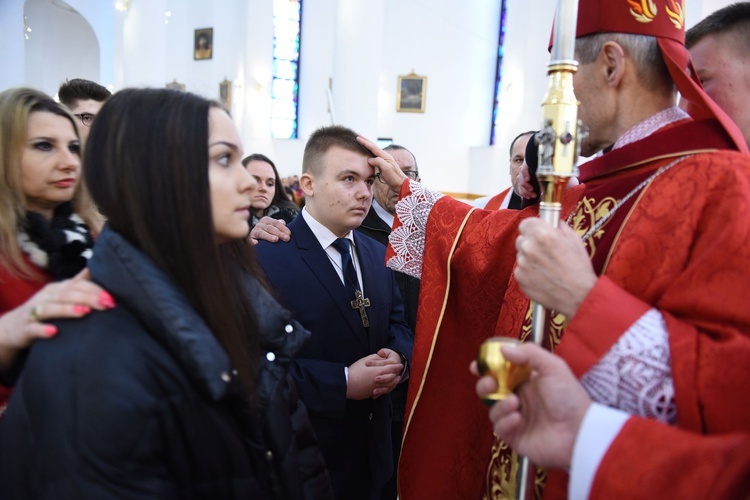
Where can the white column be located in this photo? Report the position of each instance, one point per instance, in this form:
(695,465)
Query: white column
(12,55)
(145,42)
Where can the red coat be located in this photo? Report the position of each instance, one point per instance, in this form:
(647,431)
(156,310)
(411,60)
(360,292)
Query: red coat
(14,291)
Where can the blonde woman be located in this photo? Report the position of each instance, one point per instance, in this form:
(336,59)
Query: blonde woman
(44,241)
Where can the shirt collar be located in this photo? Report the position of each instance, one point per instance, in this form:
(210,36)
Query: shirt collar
(324,235)
(650,125)
(384,214)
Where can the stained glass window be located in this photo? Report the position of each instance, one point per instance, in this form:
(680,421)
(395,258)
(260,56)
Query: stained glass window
(285,86)
(499,71)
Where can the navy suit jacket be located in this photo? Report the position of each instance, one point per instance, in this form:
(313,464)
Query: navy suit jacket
(350,432)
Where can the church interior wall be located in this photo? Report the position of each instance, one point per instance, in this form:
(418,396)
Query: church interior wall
(57,32)
(358,48)
(456,49)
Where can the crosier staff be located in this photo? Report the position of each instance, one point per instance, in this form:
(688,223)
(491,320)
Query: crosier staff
(558,148)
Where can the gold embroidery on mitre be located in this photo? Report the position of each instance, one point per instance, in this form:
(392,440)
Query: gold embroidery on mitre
(586,215)
(676,14)
(644,11)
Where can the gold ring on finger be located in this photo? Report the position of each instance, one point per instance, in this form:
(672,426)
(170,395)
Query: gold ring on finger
(36,313)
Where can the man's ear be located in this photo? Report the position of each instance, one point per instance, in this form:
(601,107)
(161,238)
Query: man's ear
(612,57)
(306,182)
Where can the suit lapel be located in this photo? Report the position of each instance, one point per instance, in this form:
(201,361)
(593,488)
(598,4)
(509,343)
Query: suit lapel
(322,268)
(374,221)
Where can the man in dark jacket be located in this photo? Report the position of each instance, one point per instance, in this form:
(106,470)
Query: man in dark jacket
(334,281)
(377,225)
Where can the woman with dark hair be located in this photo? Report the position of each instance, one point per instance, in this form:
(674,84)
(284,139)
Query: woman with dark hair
(182,391)
(45,221)
(269,198)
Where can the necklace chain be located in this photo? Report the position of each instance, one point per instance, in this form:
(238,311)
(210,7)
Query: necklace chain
(360,302)
(632,193)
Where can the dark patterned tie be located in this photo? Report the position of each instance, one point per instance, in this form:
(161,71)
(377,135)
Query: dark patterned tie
(347,267)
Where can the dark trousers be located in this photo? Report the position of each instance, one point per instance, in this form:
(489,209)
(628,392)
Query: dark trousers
(398,405)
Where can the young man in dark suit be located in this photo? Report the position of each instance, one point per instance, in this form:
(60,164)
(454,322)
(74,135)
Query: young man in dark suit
(334,282)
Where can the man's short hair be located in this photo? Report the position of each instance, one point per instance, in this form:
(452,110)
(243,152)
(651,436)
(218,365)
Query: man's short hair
(396,147)
(515,140)
(324,139)
(734,18)
(643,50)
(78,89)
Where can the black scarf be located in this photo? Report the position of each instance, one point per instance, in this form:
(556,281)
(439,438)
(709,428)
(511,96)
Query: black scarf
(61,246)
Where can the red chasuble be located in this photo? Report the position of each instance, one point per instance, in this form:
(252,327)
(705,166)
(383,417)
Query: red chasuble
(671,463)
(680,243)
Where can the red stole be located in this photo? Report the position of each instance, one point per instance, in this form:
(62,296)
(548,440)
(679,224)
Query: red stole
(497,200)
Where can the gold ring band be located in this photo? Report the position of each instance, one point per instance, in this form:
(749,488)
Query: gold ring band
(36,313)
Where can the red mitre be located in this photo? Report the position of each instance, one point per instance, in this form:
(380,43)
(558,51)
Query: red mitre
(665,20)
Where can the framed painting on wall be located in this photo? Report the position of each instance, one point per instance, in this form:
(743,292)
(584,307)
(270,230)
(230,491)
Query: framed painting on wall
(175,85)
(203,44)
(225,94)
(412,90)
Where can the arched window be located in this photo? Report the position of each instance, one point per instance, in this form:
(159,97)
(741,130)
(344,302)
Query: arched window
(499,71)
(285,86)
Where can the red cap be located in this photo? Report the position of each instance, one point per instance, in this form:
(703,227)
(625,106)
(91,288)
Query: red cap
(664,19)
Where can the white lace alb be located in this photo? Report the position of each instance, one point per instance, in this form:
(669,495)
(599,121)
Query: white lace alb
(408,240)
(636,375)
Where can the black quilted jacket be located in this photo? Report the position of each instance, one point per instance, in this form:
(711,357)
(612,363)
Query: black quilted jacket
(140,401)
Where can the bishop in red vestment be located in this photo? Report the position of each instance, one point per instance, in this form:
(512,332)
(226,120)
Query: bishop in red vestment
(661,331)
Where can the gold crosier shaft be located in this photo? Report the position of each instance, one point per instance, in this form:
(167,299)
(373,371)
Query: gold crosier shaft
(558,146)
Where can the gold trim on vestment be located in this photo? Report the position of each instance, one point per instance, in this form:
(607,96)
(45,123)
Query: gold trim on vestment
(590,244)
(437,327)
(654,158)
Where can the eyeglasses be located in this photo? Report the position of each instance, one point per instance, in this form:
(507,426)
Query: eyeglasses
(411,174)
(86,118)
